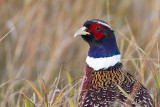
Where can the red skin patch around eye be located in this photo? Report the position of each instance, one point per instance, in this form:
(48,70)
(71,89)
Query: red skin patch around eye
(97,33)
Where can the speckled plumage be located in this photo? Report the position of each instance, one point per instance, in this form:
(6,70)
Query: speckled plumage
(104,72)
(100,89)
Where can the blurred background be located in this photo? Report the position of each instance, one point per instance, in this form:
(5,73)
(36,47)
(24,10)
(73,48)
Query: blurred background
(41,45)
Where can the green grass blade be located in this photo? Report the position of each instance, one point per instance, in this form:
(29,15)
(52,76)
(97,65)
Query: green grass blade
(156,77)
(70,103)
(70,84)
(28,103)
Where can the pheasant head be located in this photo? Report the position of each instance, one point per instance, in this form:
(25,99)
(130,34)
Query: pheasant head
(103,51)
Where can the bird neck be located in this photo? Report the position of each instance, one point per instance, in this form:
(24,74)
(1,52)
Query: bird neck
(103,48)
(103,54)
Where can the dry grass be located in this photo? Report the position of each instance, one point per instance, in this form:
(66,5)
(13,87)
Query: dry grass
(42,41)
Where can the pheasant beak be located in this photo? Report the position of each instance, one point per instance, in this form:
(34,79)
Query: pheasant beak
(81,31)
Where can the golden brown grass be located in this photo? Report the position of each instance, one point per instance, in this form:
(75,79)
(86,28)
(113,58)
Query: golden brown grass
(41,46)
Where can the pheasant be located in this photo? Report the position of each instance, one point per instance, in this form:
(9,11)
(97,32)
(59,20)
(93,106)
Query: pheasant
(104,71)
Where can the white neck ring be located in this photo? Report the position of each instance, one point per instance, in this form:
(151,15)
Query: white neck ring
(103,63)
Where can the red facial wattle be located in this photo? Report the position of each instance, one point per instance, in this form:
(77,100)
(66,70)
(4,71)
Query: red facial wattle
(98,33)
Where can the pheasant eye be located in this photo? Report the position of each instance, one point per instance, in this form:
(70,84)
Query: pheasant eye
(98,28)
